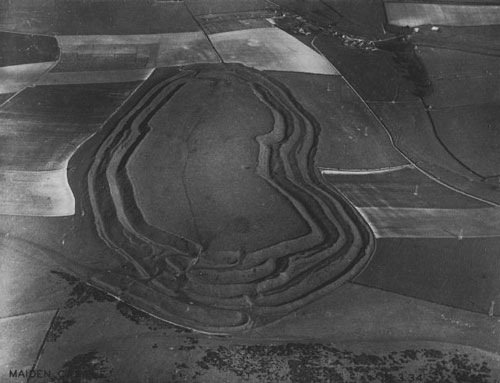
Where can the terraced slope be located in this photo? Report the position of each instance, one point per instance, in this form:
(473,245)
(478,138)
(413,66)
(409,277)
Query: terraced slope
(233,286)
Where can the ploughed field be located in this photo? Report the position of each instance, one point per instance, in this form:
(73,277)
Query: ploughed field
(207,189)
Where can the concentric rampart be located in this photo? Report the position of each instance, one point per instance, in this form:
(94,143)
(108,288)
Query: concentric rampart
(175,277)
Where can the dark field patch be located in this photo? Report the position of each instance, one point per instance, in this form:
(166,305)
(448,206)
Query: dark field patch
(460,78)
(97,18)
(16,49)
(410,66)
(356,17)
(472,133)
(459,273)
(376,75)
(84,104)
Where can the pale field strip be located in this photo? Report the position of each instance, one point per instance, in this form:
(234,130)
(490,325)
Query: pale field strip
(21,338)
(415,14)
(270,49)
(408,222)
(36,193)
(14,78)
(332,171)
(387,222)
(160,50)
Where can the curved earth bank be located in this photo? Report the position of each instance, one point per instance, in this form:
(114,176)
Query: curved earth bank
(207,189)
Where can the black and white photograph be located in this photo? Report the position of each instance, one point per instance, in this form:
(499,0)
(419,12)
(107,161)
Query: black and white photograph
(249,191)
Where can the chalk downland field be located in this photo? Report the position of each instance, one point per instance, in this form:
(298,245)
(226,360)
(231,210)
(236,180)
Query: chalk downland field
(270,49)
